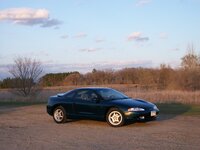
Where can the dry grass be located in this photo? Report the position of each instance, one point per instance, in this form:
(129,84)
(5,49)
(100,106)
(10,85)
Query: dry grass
(184,97)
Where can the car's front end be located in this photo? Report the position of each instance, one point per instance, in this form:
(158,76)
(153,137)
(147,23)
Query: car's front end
(141,113)
(135,109)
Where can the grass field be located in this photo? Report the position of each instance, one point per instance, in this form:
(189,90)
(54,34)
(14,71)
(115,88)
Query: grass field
(156,96)
(170,102)
(178,108)
(19,104)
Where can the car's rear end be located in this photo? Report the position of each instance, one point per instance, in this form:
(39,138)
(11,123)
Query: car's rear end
(51,104)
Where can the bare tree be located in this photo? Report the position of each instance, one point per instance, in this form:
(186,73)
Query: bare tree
(191,69)
(191,59)
(26,71)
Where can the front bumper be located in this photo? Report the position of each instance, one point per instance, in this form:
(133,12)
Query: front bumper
(141,114)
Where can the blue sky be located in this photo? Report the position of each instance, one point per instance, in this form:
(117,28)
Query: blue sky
(79,35)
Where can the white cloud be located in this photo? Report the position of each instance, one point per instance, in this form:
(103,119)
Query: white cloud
(124,64)
(137,36)
(28,16)
(163,35)
(103,65)
(80,35)
(175,49)
(142,2)
(64,37)
(134,35)
(99,40)
(90,49)
(142,39)
(20,14)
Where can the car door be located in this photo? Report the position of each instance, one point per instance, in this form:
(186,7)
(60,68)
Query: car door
(85,103)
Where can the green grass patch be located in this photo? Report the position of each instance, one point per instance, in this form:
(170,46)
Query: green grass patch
(178,109)
(19,104)
(194,110)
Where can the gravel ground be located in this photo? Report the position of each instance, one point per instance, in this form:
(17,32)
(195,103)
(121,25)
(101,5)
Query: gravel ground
(32,128)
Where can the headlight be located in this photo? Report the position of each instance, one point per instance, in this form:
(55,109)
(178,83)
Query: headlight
(136,109)
(155,107)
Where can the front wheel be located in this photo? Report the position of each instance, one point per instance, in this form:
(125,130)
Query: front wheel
(115,117)
(59,115)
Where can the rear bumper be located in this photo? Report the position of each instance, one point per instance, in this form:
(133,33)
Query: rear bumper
(140,115)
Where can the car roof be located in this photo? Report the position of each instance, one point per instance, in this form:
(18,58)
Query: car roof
(91,88)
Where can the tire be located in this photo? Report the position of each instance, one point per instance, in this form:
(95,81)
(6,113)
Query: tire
(115,117)
(59,115)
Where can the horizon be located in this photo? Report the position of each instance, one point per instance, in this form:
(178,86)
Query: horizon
(80,35)
(82,70)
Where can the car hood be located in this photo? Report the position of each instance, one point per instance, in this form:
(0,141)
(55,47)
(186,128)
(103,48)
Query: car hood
(133,103)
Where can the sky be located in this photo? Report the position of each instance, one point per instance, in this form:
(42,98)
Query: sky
(79,35)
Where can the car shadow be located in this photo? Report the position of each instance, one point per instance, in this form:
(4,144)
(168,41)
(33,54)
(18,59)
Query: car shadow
(172,110)
(72,120)
(86,121)
(167,111)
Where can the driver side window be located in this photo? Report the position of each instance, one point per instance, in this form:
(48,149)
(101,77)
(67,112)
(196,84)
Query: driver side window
(86,95)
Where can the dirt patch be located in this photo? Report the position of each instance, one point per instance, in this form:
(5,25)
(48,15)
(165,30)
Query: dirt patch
(31,127)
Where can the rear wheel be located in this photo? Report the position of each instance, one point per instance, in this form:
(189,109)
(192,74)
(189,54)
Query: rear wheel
(59,115)
(115,117)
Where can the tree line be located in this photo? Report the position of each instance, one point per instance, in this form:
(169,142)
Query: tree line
(163,78)
(55,79)
(186,77)
(26,73)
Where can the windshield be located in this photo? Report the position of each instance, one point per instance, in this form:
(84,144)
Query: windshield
(110,94)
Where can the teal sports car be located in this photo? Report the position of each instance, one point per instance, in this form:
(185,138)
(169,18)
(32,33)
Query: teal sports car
(99,103)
